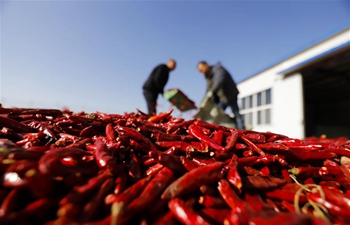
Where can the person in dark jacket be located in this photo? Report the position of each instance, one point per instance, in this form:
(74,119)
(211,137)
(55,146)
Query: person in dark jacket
(222,88)
(155,84)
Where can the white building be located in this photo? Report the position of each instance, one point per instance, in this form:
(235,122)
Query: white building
(307,94)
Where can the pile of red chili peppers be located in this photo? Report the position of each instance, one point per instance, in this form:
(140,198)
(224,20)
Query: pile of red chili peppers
(60,167)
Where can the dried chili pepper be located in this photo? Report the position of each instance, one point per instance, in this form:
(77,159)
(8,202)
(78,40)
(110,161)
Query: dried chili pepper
(196,131)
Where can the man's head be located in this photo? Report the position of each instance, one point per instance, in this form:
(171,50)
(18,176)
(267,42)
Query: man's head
(203,68)
(171,64)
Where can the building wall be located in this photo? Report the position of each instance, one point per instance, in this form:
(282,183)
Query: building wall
(286,106)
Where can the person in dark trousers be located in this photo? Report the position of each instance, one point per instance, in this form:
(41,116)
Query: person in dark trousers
(155,84)
(222,88)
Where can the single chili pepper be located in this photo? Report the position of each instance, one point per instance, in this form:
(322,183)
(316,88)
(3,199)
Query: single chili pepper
(218,136)
(161,116)
(172,128)
(69,137)
(240,146)
(303,146)
(185,214)
(176,144)
(88,132)
(284,195)
(167,219)
(137,136)
(257,182)
(333,209)
(10,202)
(39,148)
(15,125)
(36,210)
(196,131)
(68,212)
(154,169)
(285,218)
(209,201)
(231,140)
(93,207)
(11,134)
(255,137)
(152,191)
(20,154)
(306,155)
(121,181)
(334,184)
(289,140)
(80,144)
(220,156)
(214,216)
(251,171)
(134,166)
(273,205)
(188,164)
(65,123)
(103,159)
(336,197)
(49,163)
(256,202)
(211,126)
(203,161)
(247,160)
(272,146)
(337,172)
(208,190)
(233,175)
(241,210)
(253,146)
(305,172)
(170,161)
(193,180)
(110,132)
(43,128)
(196,146)
(80,193)
(160,136)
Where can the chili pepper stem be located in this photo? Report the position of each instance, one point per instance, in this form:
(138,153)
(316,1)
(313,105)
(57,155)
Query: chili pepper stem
(116,210)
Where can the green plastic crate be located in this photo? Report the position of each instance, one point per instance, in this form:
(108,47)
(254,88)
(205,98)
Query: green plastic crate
(179,99)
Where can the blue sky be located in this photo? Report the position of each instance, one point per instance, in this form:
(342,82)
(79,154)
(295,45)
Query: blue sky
(95,55)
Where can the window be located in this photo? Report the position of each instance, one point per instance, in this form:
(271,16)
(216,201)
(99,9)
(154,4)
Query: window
(259,98)
(248,118)
(267,116)
(259,118)
(243,103)
(251,101)
(268,96)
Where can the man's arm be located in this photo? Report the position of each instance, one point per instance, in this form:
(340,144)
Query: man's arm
(160,78)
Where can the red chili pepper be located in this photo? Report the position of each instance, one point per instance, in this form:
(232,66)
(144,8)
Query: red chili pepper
(198,133)
(335,170)
(211,126)
(49,163)
(93,207)
(172,128)
(218,136)
(160,136)
(273,205)
(161,116)
(241,210)
(305,172)
(188,164)
(231,140)
(253,146)
(152,191)
(233,175)
(306,155)
(176,144)
(137,136)
(15,125)
(209,201)
(193,180)
(284,195)
(170,161)
(43,128)
(214,216)
(121,181)
(80,144)
(110,132)
(167,219)
(240,146)
(103,159)
(80,193)
(257,182)
(256,202)
(154,169)
(271,146)
(284,218)
(333,209)
(333,184)
(185,214)
(208,190)
(88,132)
(134,166)
(10,202)
(255,137)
